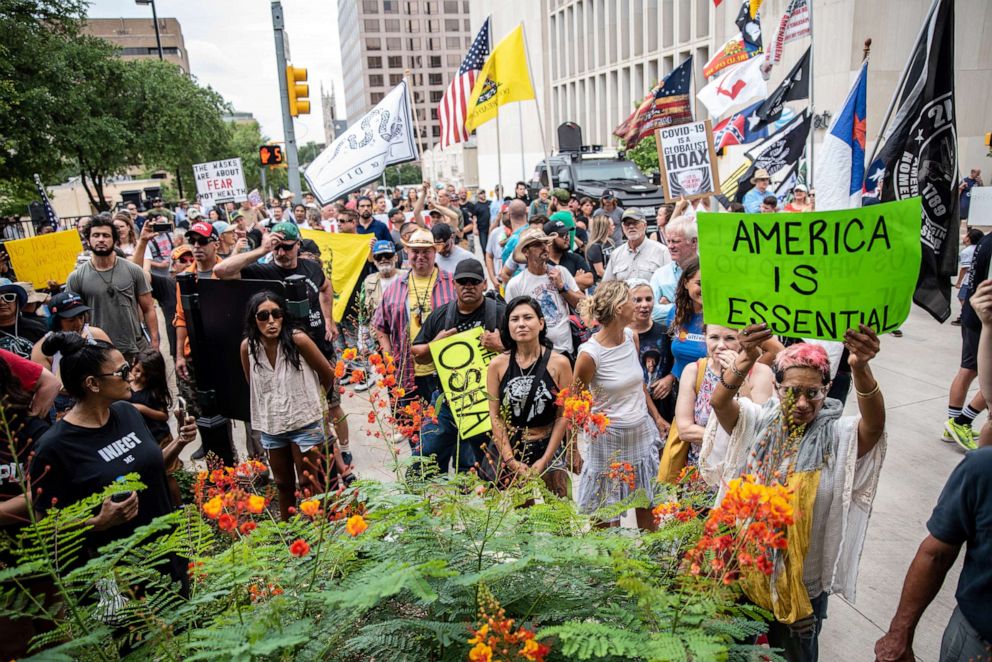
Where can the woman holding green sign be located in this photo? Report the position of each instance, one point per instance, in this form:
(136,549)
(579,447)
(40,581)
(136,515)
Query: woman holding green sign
(829,463)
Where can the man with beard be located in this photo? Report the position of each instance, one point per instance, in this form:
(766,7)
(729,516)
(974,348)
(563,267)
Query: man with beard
(116,290)
(284,244)
(448,253)
(369,225)
(683,244)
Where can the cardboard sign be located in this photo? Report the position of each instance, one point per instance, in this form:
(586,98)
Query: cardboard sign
(811,275)
(462,363)
(688,161)
(220,181)
(980,208)
(343,257)
(45,257)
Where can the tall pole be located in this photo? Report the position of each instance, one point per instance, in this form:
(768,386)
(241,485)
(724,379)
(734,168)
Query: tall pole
(158,37)
(540,121)
(812,102)
(289,133)
(499,143)
(265,185)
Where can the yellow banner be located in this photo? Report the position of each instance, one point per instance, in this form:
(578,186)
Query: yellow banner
(504,79)
(45,257)
(462,363)
(347,253)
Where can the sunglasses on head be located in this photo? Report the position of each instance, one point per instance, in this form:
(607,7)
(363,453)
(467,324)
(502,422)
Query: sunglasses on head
(264,315)
(200,241)
(124,372)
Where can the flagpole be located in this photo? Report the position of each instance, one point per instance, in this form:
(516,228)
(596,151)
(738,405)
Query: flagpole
(540,121)
(499,142)
(902,83)
(416,126)
(812,99)
(520,130)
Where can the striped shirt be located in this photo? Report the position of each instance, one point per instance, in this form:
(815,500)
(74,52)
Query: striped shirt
(393,318)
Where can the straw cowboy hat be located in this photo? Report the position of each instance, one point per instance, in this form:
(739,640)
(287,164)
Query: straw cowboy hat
(760,173)
(527,238)
(420,239)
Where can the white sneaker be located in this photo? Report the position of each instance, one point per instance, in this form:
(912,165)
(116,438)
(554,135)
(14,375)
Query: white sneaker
(366,385)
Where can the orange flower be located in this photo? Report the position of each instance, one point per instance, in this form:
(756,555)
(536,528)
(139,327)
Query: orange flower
(213,507)
(480,653)
(357,376)
(247,527)
(399,392)
(339,369)
(534,650)
(375,359)
(256,504)
(226,523)
(299,548)
(310,508)
(349,354)
(355,525)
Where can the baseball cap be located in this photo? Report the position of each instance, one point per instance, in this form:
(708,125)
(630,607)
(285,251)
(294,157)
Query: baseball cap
(562,195)
(556,227)
(179,251)
(223,226)
(441,232)
(607,194)
(800,187)
(203,229)
(634,214)
(383,247)
(67,304)
(470,268)
(194,214)
(288,230)
(234,215)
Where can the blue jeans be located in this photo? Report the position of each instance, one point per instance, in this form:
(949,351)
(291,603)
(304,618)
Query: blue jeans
(800,647)
(962,642)
(442,440)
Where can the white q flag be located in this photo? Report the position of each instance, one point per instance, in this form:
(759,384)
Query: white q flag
(383,137)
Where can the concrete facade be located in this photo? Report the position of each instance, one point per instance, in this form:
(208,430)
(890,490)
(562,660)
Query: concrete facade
(381,39)
(136,38)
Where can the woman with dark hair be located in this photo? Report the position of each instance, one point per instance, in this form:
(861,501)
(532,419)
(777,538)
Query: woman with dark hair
(100,439)
(528,426)
(685,320)
(287,376)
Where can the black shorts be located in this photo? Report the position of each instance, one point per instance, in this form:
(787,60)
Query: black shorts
(969,347)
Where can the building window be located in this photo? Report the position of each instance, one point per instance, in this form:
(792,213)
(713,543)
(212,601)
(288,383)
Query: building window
(413,44)
(376,97)
(451,7)
(436,96)
(454,60)
(452,42)
(434,61)
(390,6)
(433,44)
(394,79)
(375,80)
(375,62)
(416,62)
(434,114)
(468,25)
(413,8)
(370,6)
(395,62)
(431,7)
(436,131)
(434,79)
(434,25)
(371,25)
(392,24)
(413,25)
(394,43)
(373,44)
(451,24)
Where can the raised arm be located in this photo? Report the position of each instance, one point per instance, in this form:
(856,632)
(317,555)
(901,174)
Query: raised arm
(230,268)
(724,406)
(981,303)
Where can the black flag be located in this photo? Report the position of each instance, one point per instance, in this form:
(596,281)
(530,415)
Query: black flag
(919,155)
(749,25)
(793,88)
(778,151)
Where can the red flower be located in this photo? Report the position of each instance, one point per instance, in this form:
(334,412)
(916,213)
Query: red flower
(247,527)
(299,548)
(226,523)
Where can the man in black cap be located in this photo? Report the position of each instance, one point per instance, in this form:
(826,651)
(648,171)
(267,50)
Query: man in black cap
(608,206)
(470,308)
(559,254)
(449,254)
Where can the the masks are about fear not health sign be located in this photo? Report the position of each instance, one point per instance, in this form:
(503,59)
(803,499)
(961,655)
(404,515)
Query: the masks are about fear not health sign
(220,181)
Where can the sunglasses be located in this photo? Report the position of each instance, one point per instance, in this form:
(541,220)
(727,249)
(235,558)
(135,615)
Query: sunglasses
(286,247)
(468,282)
(124,372)
(8,297)
(384,257)
(795,392)
(200,241)
(264,315)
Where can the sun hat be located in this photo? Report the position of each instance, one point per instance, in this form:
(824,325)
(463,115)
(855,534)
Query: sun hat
(760,173)
(420,238)
(7,285)
(34,296)
(528,237)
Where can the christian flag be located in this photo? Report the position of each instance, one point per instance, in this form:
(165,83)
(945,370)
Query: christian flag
(667,104)
(919,155)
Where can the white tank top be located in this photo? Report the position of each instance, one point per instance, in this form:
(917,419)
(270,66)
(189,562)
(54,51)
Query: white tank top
(283,398)
(618,384)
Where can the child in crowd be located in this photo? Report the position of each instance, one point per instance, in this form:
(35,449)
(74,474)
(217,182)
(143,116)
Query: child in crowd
(150,396)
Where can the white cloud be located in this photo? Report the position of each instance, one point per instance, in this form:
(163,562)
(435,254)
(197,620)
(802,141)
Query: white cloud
(231,48)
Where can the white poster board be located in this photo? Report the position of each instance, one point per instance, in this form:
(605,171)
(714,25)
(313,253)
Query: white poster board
(220,181)
(688,161)
(980,210)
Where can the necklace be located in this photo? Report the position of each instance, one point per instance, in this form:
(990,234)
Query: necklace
(526,372)
(421,301)
(109,284)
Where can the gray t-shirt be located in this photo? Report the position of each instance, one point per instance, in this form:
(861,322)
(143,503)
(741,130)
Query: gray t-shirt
(553,305)
(449,263)
(118,313)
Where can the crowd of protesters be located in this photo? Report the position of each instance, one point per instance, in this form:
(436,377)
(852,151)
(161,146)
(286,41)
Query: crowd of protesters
(570,293)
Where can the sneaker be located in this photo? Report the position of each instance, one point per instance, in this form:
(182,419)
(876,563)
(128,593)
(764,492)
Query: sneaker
(366,385)
(963,435)
(956,322)
(946,436)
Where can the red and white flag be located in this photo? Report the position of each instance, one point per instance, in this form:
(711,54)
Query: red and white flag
(794,25)
(737,85)
(454,104)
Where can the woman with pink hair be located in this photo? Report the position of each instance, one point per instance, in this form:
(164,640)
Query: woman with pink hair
(830,464)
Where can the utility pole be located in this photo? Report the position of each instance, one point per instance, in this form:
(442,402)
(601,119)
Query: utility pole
(292,158)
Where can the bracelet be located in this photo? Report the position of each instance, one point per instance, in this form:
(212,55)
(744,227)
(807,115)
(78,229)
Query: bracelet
(733,369)
(727,386)
(869,393)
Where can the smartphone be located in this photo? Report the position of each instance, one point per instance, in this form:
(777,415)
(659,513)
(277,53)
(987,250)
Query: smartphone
(180,410)
(117,497)
(162,227)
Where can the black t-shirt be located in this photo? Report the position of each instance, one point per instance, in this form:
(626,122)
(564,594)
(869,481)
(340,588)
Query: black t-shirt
(963,515)
(159,429)
(599,253)
(979,271)
(656,362)
(436,322)
(254,238)
(73,462)
(482,212)
(315,278)
(573,262)
(20,338)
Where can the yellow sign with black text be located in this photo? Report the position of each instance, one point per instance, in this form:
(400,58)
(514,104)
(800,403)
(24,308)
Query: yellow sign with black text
(462,363)
(47,257)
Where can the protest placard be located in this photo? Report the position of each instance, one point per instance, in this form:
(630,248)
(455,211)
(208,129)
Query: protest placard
(220,181)
(343,256)
(980,207)
(462,363)
(688,161)
(811,275)
(46,257)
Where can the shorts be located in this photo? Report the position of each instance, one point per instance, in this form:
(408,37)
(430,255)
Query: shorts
(307,437)
(969,347)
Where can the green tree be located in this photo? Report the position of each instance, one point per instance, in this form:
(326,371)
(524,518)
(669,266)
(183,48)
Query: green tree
(644,154)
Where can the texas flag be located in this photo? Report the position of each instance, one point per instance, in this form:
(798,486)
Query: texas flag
(840,168)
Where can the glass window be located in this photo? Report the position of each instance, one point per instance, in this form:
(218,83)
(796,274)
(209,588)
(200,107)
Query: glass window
(434,79)
(434,114)
(371,25)
(391,6)
(434,45)
(436,130)
(375,80)
(395,61)
(451,7)
(434,25)
(468,25)
(376,97)
(465,7)
(431,7)
(373,44)
(416,62)
(394,43)
(392,24)
(413,8)
(370,6)
(394,79)
(436,96)
(452,42)
(451,24)
(413,44)
(413,25)
(454,60)
(434,61)
(375,62)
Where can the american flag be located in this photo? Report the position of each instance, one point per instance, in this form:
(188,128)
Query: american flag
(50,217)
(668,104)
(452,109)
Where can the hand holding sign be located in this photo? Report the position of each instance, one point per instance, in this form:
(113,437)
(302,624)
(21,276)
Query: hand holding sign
(862,346)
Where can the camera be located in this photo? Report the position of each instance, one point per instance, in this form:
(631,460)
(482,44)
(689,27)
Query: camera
(162,227)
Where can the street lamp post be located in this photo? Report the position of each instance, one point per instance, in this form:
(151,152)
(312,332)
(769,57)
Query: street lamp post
(158,38)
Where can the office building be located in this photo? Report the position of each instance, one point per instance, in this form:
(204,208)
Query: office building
(381,39)
(136,38)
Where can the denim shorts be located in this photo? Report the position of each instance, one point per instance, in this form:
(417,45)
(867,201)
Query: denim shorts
(307,437)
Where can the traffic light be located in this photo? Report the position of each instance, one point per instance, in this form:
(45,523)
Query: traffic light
(296,84)
(270,155)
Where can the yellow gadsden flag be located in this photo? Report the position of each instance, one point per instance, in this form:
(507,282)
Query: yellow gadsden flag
(343,255)
(504,79)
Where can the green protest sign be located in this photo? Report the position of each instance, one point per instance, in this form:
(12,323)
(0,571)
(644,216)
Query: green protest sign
(811,275)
